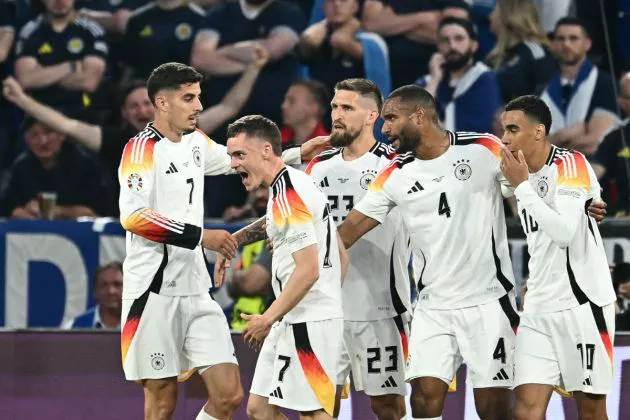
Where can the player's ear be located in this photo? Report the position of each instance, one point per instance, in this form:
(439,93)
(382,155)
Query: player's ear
(161,102)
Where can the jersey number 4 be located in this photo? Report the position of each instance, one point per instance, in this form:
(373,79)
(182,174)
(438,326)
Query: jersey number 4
(443,208)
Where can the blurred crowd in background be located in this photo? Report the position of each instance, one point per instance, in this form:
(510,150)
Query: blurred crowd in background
(74,92)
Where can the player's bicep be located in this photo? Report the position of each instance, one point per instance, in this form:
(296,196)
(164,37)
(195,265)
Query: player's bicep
(307,259)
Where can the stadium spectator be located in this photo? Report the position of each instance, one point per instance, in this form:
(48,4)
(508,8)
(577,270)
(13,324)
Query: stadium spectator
(466,91)
(330,48)
(160,32)
(303,110)
(520,58)
(621,282)
(249,284)
(611,162)
(223,46)
(108,280)
(8,22)
(52,165)
(136,111)
(581,97)
(409,28)
(255,206)
(61,58)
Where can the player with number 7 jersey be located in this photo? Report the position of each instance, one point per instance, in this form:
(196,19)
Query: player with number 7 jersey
(447,186)
(171,326)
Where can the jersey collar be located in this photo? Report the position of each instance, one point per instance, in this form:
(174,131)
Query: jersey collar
(155,131)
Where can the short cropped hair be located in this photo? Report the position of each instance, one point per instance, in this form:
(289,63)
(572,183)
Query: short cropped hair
(112,265)
(364,87)
(466,24)
(416,96)
(171,76)
(319,92)
(571,21)
(534,108)
(260,127)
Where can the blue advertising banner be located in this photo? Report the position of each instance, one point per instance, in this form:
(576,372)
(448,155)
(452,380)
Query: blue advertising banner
(46,267)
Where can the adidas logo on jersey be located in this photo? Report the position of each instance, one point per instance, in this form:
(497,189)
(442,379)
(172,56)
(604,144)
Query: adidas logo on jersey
(171,169)
(277,393)
(416,187)
(501,376)
(324,182)
(390,383)
(587,382)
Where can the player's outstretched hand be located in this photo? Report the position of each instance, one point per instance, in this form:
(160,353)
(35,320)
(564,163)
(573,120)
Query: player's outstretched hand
(514,168)
(220,241)
(313,147)
(260,55)
(220,267)
(256,330)
(597,210)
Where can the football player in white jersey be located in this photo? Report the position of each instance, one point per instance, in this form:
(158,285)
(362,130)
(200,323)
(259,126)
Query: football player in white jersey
(376,295)
(171,326)
(565,338)
(298,361)
(447,186)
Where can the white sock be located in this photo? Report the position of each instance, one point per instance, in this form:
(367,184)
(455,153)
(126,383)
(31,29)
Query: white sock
(204,416)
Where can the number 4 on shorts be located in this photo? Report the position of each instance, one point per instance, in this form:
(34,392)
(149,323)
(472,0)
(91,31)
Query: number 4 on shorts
(499,351)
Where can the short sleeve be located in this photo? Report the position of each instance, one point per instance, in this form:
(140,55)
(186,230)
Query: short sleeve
(287,16)
(26,44)
(96,44)
(216,21)
(378,202)
(216,159)
(7,16)
(293,217)
(606,154)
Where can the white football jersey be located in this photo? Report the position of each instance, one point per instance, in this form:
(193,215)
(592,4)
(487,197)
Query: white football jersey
(161,208)
(453,211)
(377,283)
(297,217)
(568,265)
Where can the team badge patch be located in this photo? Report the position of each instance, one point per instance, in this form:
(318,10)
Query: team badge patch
(366,178)
(134,182)
(463,171)
(542,187)
(75,45)
(157,361)
(183,31)
(197,156)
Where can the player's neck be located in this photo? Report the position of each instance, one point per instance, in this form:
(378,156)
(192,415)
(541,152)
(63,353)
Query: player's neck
(109,318)
(536,162)
(570,71)
(272,169)
(167,130)
(433,145)
(360,146)
(303,131)
(59,23)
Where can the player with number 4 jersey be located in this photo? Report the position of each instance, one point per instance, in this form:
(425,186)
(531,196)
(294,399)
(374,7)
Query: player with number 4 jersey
(447,187)
(567,328)
(376,290)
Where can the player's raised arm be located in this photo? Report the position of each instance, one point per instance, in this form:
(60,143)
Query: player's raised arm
(371,210)
(573,185)
(136,177)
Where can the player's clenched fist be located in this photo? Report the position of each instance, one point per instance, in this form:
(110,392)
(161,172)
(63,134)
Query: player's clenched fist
(220,241)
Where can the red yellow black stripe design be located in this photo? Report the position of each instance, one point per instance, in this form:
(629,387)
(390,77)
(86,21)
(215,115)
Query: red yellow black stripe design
(600,322)
(317,378)
(573,171)
(491,144)
(155,227)
(287,206)
(404,339)
(399,161)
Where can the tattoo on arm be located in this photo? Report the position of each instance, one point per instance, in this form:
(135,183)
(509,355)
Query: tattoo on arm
(251,233)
